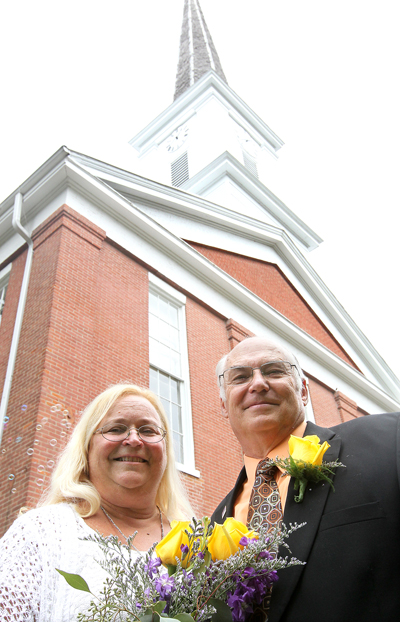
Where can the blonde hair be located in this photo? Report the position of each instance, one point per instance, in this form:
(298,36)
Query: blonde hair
(70,481)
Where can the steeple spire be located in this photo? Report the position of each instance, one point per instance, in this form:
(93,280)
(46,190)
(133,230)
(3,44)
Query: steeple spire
(197,53)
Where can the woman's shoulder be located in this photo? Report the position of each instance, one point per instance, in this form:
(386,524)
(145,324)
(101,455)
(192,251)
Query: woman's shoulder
(46,533)
(44,520)
(49,512)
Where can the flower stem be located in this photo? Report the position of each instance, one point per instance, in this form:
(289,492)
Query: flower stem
(302,489)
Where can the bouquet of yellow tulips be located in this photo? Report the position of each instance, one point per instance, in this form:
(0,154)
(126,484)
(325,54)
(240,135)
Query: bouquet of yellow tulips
(197,573)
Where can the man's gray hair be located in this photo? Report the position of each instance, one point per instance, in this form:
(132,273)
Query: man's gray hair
(219,370)
(221,367)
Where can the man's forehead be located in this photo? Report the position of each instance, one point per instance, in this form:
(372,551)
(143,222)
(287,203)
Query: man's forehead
(251,352)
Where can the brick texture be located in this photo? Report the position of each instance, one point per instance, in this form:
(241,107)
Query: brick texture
(331,407)
(236,333)
(10,311)
(347,408)
(268,282)
(217,452)
(85,327)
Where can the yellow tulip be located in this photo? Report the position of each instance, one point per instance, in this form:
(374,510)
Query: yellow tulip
(170,547)
(307,449)
(224,540)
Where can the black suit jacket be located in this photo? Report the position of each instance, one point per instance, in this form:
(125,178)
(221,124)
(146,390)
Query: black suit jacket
(351,542)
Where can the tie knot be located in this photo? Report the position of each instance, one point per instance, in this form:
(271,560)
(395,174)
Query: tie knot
(266,467)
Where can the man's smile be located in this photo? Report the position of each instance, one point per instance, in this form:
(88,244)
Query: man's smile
(262,403)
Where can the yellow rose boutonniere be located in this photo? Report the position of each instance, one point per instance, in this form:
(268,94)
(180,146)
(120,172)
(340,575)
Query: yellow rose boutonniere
(307,449)
(305,463)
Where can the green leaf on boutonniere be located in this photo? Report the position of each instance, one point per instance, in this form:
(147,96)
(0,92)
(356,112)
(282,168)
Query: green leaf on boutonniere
(306,472)
(305,463)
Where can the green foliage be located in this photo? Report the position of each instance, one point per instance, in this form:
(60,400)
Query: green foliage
(222,613)
(75,580)
(170,569)
(305,472)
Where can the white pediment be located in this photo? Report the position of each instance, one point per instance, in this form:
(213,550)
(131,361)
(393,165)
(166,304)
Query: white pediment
(227,182)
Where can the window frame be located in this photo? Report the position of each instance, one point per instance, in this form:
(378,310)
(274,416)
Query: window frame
(309,410)
(160,288)
(4,280)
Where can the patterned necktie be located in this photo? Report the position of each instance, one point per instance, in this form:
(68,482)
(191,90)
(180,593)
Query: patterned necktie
(265,508)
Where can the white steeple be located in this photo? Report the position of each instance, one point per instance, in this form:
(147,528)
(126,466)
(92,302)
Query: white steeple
(210,143)
(197,53)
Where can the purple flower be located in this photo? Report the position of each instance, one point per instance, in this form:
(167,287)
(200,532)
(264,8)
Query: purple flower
(245,541)
(152,565)
(164,585)
(239,608)
(272,577)
(185,550)
(251,589)
(189,578)
(265,555)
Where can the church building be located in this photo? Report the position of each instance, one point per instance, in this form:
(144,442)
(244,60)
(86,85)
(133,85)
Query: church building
(109,276)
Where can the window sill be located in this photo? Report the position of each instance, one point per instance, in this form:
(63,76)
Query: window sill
(188,470)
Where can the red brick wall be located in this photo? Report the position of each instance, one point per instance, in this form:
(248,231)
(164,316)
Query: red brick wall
(323,403)
(121,333)
(6,333)
(25,398)
(10,311)
(268,282)
(85,327)
(347,408)
(217,452)
(331,407)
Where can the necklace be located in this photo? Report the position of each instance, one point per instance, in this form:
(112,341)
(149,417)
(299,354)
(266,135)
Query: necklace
(126,537)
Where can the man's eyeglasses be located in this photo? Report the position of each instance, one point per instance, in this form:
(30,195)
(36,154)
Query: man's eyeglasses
(270,371)
(117,432)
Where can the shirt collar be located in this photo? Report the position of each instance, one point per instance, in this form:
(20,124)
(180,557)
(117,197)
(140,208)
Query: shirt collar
(280,451)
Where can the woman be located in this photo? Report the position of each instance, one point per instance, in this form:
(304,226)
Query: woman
(116,476)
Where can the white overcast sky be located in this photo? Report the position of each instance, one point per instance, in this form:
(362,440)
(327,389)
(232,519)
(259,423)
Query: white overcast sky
(323,75)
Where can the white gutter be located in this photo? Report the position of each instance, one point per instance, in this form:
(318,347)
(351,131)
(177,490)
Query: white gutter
(16,223)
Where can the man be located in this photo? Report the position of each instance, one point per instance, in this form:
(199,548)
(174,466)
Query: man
(351,540)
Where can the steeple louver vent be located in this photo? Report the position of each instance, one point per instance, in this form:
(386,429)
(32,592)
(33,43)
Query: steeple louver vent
(180,170)
(250,163)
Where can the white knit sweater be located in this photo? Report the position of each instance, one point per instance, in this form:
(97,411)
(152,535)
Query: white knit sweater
(35,545)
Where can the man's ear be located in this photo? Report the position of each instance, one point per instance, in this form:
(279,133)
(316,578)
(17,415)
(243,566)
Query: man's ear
(304,392)
(224,412)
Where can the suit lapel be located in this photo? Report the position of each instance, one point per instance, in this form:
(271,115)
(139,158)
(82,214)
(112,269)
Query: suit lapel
(309,511)
(228,509)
